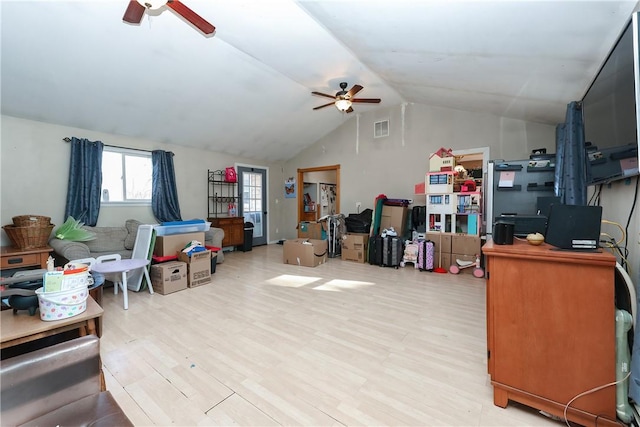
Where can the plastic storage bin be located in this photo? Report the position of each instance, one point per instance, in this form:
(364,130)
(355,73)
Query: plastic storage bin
(167,229)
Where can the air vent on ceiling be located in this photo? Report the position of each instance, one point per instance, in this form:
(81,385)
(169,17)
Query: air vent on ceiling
(381,129)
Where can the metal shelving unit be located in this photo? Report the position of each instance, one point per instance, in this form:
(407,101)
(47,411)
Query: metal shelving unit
(220,195)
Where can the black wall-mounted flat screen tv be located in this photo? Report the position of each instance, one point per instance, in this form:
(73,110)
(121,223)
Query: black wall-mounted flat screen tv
(611,111)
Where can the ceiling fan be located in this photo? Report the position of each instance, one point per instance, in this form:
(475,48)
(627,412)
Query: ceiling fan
(136,8)
(343,99)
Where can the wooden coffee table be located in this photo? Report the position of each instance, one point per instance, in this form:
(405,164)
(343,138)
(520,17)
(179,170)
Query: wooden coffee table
(21,328)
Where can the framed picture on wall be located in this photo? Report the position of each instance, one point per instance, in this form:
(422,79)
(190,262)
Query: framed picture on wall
(290,188)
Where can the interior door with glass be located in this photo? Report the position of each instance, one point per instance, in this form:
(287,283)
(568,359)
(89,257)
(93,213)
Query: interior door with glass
(252,186)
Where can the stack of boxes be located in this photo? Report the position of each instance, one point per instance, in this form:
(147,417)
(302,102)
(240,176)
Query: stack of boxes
(311,230)
(355,245)
(305,252)
(451,247)
(198,267)
(169,277)
(181,271)
(310,249)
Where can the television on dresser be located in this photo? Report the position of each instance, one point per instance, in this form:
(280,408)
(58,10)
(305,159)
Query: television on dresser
(611,111)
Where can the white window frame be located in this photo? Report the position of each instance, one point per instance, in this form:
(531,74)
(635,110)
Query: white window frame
(380,130)
(124,152)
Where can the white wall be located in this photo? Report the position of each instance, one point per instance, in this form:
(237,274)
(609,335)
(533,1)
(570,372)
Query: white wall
(35,169)
(34,165)
(393,165)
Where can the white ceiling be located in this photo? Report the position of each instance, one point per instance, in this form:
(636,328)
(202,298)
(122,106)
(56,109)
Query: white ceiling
(246,90)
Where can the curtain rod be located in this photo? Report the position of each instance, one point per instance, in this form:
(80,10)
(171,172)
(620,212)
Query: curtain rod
(67,139)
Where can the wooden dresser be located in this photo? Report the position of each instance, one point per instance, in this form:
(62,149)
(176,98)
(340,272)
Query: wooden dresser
(551,329)
(233,229)
(20,258)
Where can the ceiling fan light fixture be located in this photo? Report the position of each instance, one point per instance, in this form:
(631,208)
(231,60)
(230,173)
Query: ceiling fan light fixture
(343,104)
(152,4)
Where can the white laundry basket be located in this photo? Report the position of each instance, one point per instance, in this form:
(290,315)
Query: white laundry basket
(62,304)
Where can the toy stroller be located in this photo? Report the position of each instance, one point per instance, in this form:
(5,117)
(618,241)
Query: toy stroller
(410,254)
(461,265)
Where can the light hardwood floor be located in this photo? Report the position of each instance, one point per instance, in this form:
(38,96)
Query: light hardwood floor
(274,344)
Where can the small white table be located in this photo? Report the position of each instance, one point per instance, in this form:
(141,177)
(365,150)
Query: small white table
(122,267)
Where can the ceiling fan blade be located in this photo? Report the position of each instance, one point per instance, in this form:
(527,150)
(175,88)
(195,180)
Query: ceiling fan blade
(191,16)
(350,110)
(325,105)
(355,89)
(367,100)
(323,94)
(134,12)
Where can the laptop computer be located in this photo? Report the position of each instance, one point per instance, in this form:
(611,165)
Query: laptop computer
(572,227)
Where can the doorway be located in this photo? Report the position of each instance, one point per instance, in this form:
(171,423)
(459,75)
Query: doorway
(474,163)
(252,186)
(319,193)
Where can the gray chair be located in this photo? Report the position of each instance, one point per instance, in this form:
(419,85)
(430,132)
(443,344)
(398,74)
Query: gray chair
(58,385)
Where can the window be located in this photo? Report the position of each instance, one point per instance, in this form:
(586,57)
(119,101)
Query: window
(126,176)
(381,129)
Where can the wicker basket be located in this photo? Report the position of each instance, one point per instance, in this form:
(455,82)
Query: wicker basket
(31,221)
(28,237)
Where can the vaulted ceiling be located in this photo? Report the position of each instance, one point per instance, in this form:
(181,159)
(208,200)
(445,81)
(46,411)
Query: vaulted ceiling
(246,90)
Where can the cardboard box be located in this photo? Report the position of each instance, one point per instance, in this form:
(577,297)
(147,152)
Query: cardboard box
(438,239)
(198,267)
(311,230)
(306,252)
(170,245)
(354,247)
(394,216)
(169,277)
(443,261)
(465,244)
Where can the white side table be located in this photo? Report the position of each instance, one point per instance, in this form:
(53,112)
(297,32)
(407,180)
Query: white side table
(122,267)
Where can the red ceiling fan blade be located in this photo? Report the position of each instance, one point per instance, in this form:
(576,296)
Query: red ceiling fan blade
(325,105)
(323,94)
(367,100)
(134,13)
(355,89)
(191,16)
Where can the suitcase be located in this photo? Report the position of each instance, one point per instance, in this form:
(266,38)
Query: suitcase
(375,250)
(392,251)
(374,256)
(425,255)
(333,235)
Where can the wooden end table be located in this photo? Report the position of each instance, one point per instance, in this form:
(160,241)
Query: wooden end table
(11,257)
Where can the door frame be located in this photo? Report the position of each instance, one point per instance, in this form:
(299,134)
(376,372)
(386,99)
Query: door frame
(265,196)
(302,171)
